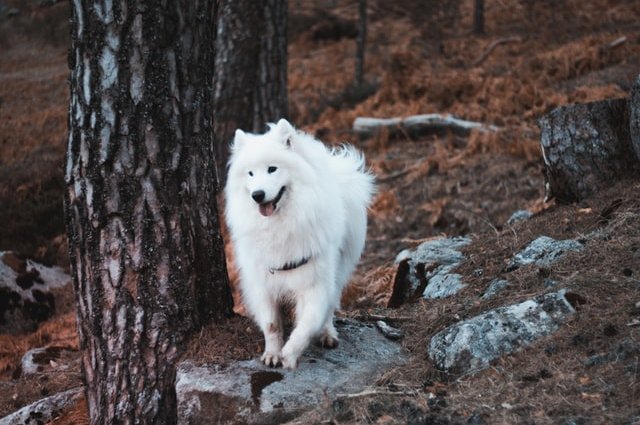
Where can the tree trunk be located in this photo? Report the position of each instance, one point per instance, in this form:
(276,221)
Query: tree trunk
(250,69)
(586,147)
(361,42)
(478,17)
(146,253)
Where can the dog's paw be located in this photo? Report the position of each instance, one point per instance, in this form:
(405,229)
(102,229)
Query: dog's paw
(289,362)
(271,359)
(328,341)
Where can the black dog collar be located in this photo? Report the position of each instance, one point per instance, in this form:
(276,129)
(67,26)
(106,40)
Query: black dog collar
(290,266)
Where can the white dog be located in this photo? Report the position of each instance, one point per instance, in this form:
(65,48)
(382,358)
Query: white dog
(297,213)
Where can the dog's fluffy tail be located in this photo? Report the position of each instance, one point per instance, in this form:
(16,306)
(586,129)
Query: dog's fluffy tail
(350,167)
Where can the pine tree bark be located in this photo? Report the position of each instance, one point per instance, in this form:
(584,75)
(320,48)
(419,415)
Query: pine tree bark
(250,69)
(146,253)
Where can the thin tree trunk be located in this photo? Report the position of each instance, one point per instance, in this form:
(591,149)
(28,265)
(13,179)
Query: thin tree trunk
(236,61)
(251,69)
(478,17)
(361,42)
(145,248)
(270,99)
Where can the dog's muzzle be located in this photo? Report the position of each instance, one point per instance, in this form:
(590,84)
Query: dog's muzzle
(267,208)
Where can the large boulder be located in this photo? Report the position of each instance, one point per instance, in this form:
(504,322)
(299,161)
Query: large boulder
(249,392)
(472,344)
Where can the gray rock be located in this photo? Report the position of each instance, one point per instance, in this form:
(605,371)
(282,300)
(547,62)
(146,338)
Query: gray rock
(426,271)
(247,391)
(471,345)
(518,216)
(543,252)
(495,286)
(442,251)
(48,359)
(45,410)
(443,283)
(26,287)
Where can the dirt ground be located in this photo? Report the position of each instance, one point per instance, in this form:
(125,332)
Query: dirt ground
(420,59)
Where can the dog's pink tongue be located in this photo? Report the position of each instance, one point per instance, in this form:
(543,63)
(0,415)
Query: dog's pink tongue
(266,209)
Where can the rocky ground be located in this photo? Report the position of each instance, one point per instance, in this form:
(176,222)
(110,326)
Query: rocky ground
(584,369)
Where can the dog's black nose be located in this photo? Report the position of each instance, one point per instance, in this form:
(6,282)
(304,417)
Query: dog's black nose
(258,196)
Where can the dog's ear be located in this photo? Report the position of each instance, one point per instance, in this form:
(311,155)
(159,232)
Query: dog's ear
(285,131)
(239,140)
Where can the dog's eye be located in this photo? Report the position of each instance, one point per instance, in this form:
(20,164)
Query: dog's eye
(271,169)
(251,173)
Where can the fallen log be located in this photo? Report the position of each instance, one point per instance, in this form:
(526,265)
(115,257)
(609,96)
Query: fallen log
(586,147)
(418,125)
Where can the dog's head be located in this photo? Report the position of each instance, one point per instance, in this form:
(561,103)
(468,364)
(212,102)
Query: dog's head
(262,164)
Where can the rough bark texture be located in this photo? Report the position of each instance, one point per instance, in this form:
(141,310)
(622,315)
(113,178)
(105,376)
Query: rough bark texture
(250,69)
(586,147)
(478,17)
(634,116)
(145,248)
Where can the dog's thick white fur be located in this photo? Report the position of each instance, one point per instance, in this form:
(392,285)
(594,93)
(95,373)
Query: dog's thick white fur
(297,214)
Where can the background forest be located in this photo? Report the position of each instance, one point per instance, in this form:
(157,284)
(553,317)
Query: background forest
(420,57)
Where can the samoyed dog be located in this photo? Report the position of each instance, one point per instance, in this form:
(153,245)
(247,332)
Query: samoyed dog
(297,215)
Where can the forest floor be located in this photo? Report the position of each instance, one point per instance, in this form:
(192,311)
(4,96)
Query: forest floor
(420,59)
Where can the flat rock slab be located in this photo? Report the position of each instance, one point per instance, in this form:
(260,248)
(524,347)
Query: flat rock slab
(427,271)
(248,391)
(472,344)
(543,251)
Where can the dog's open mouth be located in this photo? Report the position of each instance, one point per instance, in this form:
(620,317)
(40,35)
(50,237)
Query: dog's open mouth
(267,208)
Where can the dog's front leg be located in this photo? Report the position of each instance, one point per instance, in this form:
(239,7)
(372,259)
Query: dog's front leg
(313,307)
(266,313)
